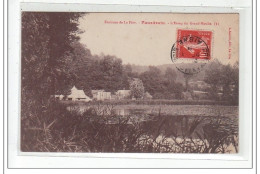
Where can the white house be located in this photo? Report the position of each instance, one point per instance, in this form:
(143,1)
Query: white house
(200,95)
(121,94)
(101,95)
(78,95)
(199,85)
(59,97)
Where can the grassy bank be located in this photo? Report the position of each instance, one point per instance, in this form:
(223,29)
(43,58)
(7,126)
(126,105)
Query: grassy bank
(158,102)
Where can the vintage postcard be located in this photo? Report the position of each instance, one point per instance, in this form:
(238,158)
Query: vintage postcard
(129,82)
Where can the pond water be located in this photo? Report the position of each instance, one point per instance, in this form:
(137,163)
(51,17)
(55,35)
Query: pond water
(191,125)
(173,110)
(186,134)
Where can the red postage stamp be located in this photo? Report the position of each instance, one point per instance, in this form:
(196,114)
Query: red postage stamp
(195,44)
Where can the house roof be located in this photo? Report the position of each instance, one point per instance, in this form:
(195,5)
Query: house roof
(98,90)
(200,92)
(123,91)
(75,93)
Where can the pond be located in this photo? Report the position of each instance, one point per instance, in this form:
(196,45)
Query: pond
(211,134)
(174,134)
(180,128)
(133,109)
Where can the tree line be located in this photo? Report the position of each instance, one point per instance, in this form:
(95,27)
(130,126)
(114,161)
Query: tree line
(53,60)
(107,72)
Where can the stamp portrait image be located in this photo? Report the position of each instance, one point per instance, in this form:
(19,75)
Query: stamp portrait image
(192,45)
(129,82)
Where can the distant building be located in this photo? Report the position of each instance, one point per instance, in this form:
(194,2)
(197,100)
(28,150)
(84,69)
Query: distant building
(200,95)
(113,97)
(199,85)
(122,94)
(59,97)
(78,95)
(220,88)
(101,95)
(186,95)
(220,95)
(147,95)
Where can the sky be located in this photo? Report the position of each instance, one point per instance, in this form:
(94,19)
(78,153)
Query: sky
(142,42)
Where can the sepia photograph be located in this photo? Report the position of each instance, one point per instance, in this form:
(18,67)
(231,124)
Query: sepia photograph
(129,82)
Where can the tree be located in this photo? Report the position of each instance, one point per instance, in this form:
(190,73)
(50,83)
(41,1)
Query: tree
(226,81)
(213,78)
(187,78)
(127,74)
(223,79)
(235,77)
(46,48)
(80,66)
(178,89)
(153,80)
(128,70)
(229,81)
(45,57)
(34,52)
(112,72)
(170,75)
(136,88)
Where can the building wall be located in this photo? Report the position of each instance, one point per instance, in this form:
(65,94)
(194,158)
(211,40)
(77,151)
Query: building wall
(121,94)
(78,95)
(101,95)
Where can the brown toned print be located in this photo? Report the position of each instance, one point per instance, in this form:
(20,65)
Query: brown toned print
(129,82)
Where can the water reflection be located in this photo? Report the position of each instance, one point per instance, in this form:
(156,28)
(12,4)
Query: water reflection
(194,134)
(191,126)
(196,110)
(156,129)
(125,112)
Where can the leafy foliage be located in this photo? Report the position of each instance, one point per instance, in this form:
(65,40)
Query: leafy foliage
(53,60)
(225,77)
(137,88)
(46,45)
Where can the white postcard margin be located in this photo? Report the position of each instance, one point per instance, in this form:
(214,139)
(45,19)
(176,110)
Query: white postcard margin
(16,159)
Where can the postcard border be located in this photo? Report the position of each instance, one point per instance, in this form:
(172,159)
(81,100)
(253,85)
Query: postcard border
(109,168)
